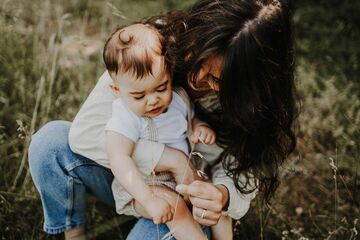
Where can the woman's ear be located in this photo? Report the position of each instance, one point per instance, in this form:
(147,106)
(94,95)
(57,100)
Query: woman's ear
(114,87)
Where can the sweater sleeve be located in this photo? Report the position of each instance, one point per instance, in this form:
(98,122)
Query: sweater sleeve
(239,203)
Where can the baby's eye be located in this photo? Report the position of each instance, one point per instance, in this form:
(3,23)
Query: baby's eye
(163,89)
(138,98)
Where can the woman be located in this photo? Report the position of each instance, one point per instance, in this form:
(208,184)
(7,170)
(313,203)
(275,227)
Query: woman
(243,51)
(235,60)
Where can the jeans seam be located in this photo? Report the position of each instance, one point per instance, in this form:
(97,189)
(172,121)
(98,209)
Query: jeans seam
(81,163)
(77,163)
(70,198)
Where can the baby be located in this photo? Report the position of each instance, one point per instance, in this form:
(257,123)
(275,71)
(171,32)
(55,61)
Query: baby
(147,108)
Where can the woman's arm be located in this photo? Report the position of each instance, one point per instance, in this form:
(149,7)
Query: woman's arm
(211,200)
(87,134)
(218,198)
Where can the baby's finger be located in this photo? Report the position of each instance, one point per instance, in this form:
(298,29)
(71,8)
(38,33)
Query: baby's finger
(208,138)
(164,219)
(212,140)
(202,136)
(157,221)
(170,216)
(195,137)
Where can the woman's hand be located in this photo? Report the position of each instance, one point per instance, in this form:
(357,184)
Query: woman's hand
(207,199)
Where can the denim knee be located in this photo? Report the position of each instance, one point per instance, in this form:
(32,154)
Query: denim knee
(48,155)
(43,144)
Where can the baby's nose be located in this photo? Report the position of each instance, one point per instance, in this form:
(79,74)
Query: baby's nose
(152,101)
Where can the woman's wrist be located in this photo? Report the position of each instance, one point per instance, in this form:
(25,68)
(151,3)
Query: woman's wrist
(225,193)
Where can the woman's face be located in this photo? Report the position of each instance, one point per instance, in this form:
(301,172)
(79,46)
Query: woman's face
(209,75)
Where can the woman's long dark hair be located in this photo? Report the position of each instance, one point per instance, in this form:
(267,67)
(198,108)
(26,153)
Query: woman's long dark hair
(257,95)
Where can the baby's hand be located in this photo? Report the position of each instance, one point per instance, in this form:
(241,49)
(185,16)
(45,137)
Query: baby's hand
(159,210)
(203,134)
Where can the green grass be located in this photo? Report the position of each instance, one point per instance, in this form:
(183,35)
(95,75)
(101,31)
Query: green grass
(50,59)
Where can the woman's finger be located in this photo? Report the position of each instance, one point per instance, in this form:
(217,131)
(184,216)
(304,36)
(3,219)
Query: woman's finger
(204,221)
(206,214)
(214,206)
(200,189)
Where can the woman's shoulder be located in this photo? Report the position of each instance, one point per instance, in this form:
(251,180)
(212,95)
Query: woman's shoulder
(96,109)
(101,93)
(104,80)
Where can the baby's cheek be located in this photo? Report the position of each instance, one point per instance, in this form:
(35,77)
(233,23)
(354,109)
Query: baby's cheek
(137,107)
(168,98)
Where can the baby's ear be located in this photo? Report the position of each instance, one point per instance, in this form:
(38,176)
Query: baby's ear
(114,88)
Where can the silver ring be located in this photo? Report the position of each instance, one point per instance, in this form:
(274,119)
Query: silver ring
(203,213)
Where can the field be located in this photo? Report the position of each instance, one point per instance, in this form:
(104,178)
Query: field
(51,57)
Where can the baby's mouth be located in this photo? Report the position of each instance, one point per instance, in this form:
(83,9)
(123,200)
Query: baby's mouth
(155,110)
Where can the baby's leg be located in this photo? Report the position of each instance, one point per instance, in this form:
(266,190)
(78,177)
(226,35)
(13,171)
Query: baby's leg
(223,229)
(183,225)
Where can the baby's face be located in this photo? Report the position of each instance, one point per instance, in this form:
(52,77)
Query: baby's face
(149,96)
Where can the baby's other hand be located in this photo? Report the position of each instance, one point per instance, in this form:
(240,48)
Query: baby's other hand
(159,210)
(203,134)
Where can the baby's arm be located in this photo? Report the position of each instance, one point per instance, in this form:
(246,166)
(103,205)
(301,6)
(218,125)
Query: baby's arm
(119,149)
(202,133)
(178,164)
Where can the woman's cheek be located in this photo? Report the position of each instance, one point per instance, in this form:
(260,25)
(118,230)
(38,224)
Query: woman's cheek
(214,86)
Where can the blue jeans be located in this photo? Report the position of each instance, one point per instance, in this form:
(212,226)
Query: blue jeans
(63,178)
(146,229)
